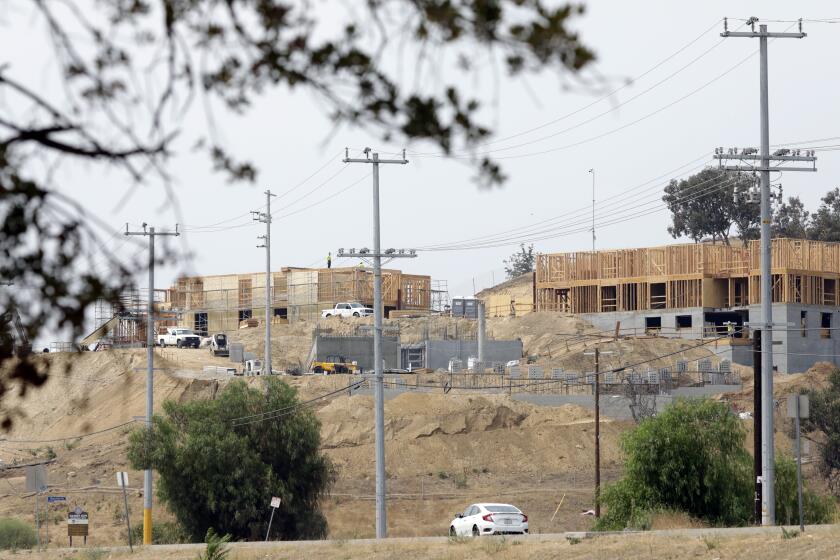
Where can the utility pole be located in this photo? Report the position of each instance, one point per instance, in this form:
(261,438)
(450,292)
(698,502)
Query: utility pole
(379,396)
(265,217)
(593,207)
(150,367)
(597,353)
(482,335)
(597,434)
(768,513)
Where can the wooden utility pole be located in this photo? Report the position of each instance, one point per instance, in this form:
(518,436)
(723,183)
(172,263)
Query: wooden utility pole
(597,434)
(597,382)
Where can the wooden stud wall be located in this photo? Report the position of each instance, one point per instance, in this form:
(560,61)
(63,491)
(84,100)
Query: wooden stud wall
(804,271)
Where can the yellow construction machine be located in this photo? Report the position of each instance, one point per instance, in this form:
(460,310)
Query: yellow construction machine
(335,364)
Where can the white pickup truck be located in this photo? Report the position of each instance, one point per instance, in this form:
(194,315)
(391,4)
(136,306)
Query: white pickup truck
(182,338)
(347,310)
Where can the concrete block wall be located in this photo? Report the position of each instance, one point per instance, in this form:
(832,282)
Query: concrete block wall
(797,348)
(636,320)
(358,349)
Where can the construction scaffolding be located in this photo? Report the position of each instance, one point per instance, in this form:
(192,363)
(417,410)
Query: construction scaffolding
(440,296)
(121,322)
(690,275)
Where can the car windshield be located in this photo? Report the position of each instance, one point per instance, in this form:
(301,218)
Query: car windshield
(183,331)
(356,305)
(501,509)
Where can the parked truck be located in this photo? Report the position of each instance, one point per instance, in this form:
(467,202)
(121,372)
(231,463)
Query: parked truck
(344,309)
(176,336)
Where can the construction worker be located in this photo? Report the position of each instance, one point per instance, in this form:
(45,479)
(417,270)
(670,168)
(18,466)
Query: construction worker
(329,259)
(730,329)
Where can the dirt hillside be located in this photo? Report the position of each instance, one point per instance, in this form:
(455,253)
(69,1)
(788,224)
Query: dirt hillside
(444,451)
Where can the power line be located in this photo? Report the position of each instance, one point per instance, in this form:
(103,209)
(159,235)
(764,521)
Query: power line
(286,410)
(559,217)
(618,216)
(605,97)
(73,437)
(326,163)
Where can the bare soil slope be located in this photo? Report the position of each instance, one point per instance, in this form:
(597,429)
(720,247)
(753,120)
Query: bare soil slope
(443,451)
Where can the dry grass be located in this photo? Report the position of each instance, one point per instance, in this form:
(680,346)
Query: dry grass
(821,543)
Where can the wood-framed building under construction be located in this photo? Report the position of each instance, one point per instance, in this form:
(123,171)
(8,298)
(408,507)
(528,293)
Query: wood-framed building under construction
(702,290)
(691,275)
(217,303)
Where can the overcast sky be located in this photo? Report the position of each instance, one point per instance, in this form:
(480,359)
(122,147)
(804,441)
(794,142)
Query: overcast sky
(433,201)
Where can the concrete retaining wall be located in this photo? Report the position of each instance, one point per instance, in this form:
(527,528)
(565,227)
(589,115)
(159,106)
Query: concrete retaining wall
(358,349)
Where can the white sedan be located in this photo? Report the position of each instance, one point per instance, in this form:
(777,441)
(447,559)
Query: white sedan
(489,519)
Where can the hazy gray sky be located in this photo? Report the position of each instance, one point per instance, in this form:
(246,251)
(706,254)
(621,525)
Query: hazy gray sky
(433,201)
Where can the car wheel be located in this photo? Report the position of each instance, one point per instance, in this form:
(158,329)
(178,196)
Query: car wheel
(317,369)
(475,531)
(162,343)
(451,531)
(355,314)
(177,343)
(329,315)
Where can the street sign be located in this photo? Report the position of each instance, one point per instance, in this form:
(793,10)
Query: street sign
(122,482)
(53,499)
(122,479)
(803,406)
(36,478)
(275,503)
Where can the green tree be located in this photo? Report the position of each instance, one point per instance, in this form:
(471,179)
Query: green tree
(705,205)
(815,508)
(217,472)
(825,223)
(521,262)
(126,74)
(791,219)
(690,457)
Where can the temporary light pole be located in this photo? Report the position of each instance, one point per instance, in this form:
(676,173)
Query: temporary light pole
(150,367)
(593,207)
(768,505)
(265,217)
(379,397)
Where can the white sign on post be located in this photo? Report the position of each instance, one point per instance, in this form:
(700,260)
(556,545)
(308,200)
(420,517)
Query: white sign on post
(122,479)
(804,406)
(275,502)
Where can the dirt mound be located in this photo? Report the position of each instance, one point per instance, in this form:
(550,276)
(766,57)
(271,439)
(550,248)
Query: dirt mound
(429,433)
(348,421)
(816,378)
(522,286)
